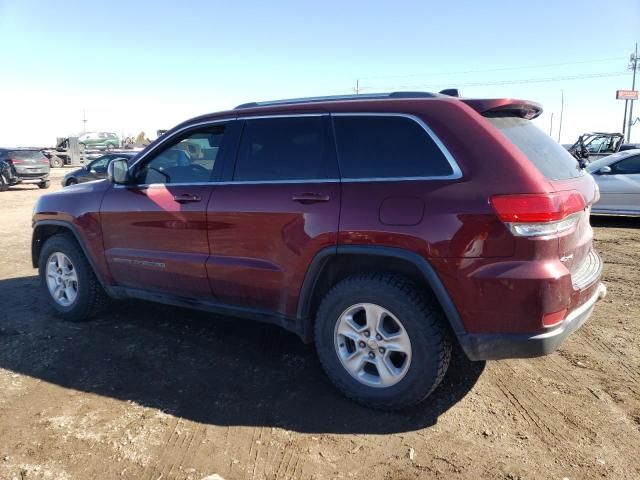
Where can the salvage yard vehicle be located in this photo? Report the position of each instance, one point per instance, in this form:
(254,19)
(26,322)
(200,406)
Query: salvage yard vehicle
(23,166)
(95,170)
(106,140)
(618,177)
(380,227)
(595,145)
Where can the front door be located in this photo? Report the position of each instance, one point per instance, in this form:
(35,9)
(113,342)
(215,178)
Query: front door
(279,207)
(155,230)
(620,189)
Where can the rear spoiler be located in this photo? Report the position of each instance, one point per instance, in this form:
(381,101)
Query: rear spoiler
(505,107)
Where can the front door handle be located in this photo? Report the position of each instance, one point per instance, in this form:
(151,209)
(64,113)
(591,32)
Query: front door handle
(187,198)
(308,198)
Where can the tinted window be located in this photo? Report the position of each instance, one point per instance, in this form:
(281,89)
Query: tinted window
(101,163)
(189,160)
(282,149)
(387,147)
(627,166)
(553,161)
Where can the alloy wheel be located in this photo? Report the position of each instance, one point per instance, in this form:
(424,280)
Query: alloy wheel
(372,345)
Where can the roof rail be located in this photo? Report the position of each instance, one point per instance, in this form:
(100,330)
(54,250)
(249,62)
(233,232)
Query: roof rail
(333,98)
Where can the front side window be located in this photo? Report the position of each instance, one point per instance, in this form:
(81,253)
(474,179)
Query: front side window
(100,165)
(387,147)
(628,166)
(281,149)
(189,160)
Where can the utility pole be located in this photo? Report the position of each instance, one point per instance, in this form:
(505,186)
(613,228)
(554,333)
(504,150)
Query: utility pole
(633,64)
(84,122)
(561,112)
(551,126)
(357,89)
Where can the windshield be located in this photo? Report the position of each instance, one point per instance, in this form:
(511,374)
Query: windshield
(553,161)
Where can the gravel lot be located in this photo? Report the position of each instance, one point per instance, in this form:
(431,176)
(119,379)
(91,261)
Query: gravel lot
(152,392)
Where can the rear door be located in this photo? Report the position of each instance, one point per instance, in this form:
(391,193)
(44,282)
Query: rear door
(155,230)
(278,208)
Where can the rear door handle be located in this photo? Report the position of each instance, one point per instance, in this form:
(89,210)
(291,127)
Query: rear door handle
(186,198)
(308,198)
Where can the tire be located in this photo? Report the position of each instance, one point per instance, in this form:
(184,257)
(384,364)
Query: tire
(71,181)
(4,184)
(110,147)
(90,298)
(56,162)
(45,184)
(408,314)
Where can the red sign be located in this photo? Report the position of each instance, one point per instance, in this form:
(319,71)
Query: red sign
(627,94)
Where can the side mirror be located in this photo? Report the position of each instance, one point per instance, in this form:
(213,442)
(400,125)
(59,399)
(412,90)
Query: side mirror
(118,171)
(604,170)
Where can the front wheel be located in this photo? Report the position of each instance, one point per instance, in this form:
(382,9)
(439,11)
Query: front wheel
(45,184)
(68,281)
(110,147)
(382,342)
(4,184)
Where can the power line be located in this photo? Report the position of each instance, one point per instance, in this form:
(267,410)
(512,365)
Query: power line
(501,69)
(502,82)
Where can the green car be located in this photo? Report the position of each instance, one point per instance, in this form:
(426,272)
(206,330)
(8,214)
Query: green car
(99,140)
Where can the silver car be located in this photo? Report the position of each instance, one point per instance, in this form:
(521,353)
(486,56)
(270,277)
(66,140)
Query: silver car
(618,177)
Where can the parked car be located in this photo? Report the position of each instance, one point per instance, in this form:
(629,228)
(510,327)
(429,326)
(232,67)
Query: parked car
(99,140)
(23,166)
(94,170)
(618,177)
(383,228)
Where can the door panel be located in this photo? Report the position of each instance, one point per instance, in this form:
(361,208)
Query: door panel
(263,238)
(619,192)
(281,208)
(155,232)
(155,242)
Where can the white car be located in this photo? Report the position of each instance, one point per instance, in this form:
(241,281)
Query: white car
(618,177)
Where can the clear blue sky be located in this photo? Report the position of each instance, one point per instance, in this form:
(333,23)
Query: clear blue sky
(148,65)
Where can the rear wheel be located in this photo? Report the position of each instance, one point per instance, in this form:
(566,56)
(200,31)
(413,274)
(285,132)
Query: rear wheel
(110,146)
(4,184)
(68,280)
(381,342)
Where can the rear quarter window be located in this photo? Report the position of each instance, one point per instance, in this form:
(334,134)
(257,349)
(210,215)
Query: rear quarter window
(372,147)
(553,161)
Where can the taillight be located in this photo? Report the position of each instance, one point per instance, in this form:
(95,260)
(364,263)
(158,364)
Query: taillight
(16,160)
(531,215)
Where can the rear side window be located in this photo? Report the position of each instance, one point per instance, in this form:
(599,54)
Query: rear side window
(387,147)
(553,161)
(277,149)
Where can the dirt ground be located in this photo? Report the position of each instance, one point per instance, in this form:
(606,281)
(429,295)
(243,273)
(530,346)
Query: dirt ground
(155,393)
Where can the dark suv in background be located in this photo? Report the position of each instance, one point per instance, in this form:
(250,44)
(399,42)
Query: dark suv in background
(23,166)
(382,228)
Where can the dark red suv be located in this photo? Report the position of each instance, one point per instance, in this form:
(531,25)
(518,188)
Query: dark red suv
(383,228)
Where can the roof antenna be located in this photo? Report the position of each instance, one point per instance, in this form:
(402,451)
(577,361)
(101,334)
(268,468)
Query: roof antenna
(452,92)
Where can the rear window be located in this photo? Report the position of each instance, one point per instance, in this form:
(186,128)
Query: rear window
(387,147)
(27,154)
(550,157)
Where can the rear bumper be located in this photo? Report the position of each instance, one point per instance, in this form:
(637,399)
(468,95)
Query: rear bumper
(31,178)
(482,346)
